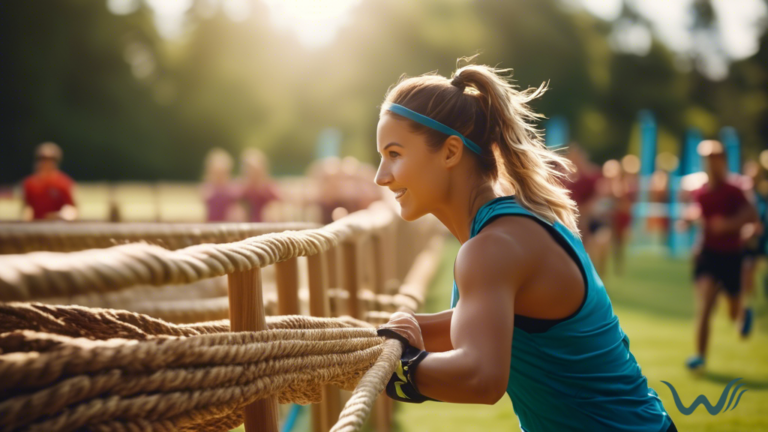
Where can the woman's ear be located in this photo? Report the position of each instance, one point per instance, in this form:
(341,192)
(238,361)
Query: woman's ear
(452,151)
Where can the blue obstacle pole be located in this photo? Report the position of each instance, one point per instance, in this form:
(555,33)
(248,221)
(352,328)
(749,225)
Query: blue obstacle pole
(290,421)
(328,143)
(641,208)
(556,132)
(675,240)
(730,140)
(690,163)
(648,139)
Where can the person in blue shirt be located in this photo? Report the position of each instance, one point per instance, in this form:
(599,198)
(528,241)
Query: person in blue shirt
(529,314)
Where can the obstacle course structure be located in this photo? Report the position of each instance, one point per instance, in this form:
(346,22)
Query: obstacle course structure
(74,367)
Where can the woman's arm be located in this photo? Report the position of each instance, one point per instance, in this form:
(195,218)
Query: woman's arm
(436,330)
(489,270)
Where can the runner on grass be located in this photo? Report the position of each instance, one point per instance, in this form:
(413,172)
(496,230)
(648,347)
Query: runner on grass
(724,211)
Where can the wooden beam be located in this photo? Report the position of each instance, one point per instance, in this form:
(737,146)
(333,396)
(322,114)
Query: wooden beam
(246,313)
(287,278)
(351,278)
(324,414)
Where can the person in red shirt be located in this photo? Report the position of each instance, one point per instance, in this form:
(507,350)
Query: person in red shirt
(48,192)
(723,211)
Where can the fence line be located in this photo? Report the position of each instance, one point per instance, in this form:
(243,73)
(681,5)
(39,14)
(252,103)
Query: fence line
(45,274)
(17,237)
(356,254)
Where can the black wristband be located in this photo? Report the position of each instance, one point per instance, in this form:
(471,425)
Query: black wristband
(389,333)
(402,384)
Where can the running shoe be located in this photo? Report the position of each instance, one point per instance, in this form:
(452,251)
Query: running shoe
(746,326)
(695,363)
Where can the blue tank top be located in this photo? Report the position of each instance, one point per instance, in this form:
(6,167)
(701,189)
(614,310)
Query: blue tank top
(577,374)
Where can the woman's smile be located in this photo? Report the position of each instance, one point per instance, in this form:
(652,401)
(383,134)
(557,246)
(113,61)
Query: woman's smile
(399,193)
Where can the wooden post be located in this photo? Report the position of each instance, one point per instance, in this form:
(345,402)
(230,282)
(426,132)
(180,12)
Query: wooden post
(351,278)
(332,259)
(287,278)
(246,313)
(382,410)
(379,273)
(388,239)
(333,267)
(382,413)
(324,414)
(318,286)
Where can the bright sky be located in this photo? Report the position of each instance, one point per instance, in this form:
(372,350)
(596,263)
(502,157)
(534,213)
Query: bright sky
(739,22)
(316,22)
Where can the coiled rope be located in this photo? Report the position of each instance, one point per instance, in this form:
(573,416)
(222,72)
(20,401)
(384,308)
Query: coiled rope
(164,381)
(133,372)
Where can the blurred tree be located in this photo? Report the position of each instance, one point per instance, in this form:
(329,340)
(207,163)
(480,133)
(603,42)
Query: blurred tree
(126,101)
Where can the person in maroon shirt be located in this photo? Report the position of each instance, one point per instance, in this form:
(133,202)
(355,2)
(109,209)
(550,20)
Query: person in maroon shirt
(724,211)
(256,187)
(589,190)
(48,192)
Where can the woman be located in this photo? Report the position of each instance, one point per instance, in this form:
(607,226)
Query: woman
(529,314)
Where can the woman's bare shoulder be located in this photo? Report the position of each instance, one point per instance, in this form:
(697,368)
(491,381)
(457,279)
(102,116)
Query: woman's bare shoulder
(522,234)
(505,251)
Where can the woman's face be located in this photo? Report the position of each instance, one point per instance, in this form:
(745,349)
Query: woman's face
(409,168)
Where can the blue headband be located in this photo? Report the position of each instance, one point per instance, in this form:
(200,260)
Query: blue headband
(432,124)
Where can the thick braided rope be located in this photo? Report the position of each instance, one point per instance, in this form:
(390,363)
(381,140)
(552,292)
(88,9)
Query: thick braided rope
(160,394)
(204,289)
(205,300)
(169,382)
(102,324)
(68,237)
(358,407)
(45,274)
(375,379)
(223,417)
(209,309)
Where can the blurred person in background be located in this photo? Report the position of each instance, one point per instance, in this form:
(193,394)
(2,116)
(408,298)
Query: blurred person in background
(362,192)
(589,192)
(48,192)
(658,221)
(257,189)
(622,194)
(723,211)
(755,236)
(325,175)
(218,192)
(342,186)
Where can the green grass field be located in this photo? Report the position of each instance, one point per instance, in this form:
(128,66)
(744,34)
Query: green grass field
(654,302)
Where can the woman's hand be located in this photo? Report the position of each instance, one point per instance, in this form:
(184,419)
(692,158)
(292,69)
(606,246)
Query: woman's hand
(405,325)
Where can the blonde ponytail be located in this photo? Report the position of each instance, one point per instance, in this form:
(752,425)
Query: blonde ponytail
(482,103)
(525,163)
